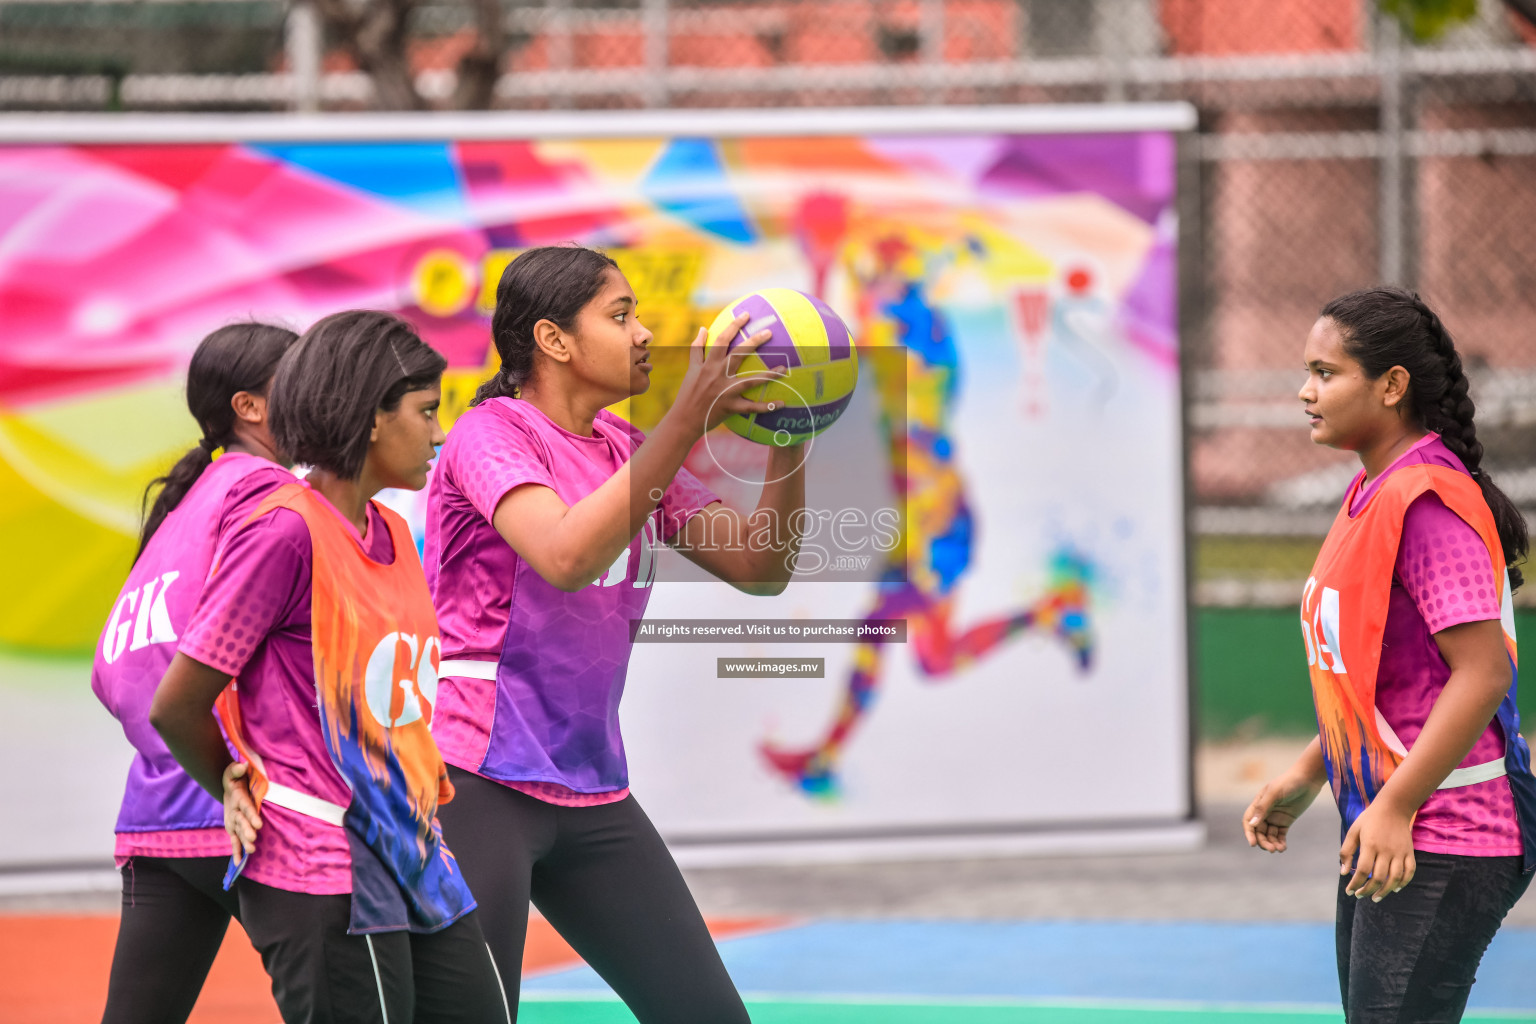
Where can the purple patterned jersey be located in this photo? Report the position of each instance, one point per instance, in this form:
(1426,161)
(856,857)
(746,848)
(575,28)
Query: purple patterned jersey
(140,638)
(551,714)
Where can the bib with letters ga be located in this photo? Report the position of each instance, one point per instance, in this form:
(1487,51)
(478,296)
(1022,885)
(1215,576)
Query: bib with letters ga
(1343,621)
(376,656)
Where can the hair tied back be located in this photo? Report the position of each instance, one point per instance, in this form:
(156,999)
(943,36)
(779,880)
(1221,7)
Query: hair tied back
(1387,327)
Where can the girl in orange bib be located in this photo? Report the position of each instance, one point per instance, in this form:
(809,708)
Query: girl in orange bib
(1408,628)
(319,605)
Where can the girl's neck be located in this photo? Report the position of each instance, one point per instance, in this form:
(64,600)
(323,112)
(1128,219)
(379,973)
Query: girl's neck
(350,497)
(1388,448)
(253,443)
(571,411)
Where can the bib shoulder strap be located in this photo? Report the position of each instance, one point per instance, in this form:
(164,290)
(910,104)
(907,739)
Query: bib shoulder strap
(1453,487)
(1458,491)
(399,530)
(326,527)
(286,496)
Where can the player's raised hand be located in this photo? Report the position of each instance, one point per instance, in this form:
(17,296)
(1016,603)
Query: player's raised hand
(712,390)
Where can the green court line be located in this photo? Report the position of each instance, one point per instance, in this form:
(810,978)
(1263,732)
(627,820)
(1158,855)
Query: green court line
(581,1008)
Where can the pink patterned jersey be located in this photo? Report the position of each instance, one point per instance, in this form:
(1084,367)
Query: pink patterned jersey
(548,724)
(1443,577)
(253,621)
(181,842)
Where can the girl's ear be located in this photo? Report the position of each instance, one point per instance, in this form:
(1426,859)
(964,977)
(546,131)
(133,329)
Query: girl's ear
(1394,386)
(373,435)
(249,408)
(552,341)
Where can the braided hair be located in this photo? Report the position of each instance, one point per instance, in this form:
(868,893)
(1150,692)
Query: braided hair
(235,358)
(1387,327)
(552,282)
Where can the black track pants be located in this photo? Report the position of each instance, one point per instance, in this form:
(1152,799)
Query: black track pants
(175,913)
(322,975)
(1412,958)
(604,879)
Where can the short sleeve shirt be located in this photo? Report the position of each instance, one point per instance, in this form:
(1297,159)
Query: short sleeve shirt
(494,448)
(1443,578)
(550,717)
(254,622)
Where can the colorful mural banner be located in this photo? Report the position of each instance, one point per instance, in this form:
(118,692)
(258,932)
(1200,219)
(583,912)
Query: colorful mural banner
(1027,283)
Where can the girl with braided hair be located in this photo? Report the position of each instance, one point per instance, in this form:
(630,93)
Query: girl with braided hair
(1409,635)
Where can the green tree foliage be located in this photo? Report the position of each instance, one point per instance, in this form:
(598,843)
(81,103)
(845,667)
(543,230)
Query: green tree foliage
(1426,20)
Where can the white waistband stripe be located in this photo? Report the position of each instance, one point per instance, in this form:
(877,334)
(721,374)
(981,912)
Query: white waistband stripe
(1468,776)
(468,669)
(303,803)
(1473,774)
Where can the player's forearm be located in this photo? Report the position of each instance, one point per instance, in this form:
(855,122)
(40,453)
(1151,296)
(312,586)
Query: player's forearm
(1460,715)
(1310,767)
(780,508)
(594,531)
(652,469)
(182,713)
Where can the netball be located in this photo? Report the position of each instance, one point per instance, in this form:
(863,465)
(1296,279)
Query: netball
(812,343)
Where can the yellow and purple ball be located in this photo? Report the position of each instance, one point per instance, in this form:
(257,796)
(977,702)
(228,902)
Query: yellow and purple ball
(813,344)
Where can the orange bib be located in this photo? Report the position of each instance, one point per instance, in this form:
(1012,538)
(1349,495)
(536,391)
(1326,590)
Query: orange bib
(1344,617)
(376,651)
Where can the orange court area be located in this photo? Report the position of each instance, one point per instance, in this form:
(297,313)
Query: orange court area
(53,970)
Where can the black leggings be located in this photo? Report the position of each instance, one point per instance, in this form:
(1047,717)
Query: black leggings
(175,913)
(1412,958)
(603,878)
(322,975)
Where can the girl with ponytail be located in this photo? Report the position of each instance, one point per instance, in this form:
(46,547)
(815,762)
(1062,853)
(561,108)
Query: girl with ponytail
(318,607)
(1409,636)
(171,844)
(227,396)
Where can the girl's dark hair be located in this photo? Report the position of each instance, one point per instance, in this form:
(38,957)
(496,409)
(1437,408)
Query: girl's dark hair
(240,357)
(1387,327)
(345,369)
(551,283)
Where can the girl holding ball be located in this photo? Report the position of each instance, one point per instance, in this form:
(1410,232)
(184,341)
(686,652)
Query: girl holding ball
(1409,636)
(542,520)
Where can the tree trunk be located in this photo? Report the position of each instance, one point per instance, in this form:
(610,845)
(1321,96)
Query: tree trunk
(480,67)
(374,33)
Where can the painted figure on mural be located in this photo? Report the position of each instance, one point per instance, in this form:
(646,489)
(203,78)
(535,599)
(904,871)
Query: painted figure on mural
(892,277)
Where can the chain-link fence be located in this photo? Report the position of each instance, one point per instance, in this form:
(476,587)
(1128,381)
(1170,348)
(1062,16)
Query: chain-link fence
(1333,153)
(1380,160)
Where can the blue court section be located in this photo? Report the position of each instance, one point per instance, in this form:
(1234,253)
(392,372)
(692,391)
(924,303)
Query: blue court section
(970,972)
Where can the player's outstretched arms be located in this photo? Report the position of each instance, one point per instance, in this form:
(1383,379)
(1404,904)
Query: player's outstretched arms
(572,545)
(760,549)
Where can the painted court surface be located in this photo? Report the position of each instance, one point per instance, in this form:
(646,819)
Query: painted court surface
(53,971)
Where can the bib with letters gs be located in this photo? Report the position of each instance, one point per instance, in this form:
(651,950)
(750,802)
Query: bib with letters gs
(376,650)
